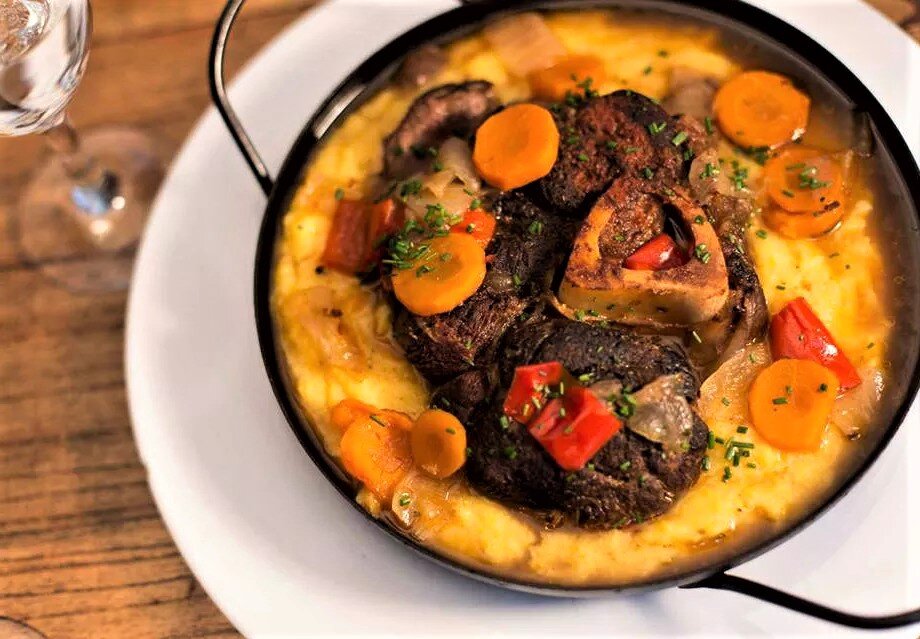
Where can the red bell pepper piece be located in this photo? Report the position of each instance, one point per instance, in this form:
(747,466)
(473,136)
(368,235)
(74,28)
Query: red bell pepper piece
(479,224)
(386,217)
(547,419)
(797,333)
(346,246)
(658,254)
(574,429)
(528,389)
(358,231)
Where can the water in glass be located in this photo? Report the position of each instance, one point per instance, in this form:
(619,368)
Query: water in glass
(43,49)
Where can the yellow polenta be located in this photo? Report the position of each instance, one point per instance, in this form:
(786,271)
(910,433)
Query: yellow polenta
(332,356)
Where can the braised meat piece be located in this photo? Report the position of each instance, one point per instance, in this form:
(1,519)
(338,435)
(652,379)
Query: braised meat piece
(451,110)
(605,137)
(745,315)
(441,346)
(527,247)
(601,353)
(627,216)
(465,393)
(529,242)
(631,478)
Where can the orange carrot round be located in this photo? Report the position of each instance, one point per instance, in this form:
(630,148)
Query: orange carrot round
(790,403)
(377,453)
(516,146)
(802,225)
(804,180)
(568,74)
(451,270)
(438,443)
(761,109)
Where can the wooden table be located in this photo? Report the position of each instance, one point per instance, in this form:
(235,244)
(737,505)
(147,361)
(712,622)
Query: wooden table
(83,552)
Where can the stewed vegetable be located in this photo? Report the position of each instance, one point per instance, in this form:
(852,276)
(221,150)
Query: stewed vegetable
(438,443)
(567,75)
(574,427)
(569,420)
(516,146)
(375,450)
(790,403)
(358,229)
(478,224)
(529,388)
(658,254)
(757,109)
(796,332)
(450,270)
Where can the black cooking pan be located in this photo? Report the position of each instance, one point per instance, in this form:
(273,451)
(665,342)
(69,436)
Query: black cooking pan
(791,47)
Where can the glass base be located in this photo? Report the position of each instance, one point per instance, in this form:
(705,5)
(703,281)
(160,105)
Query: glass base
(84,237)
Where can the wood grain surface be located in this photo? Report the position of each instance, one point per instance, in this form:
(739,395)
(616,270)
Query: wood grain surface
(83,553)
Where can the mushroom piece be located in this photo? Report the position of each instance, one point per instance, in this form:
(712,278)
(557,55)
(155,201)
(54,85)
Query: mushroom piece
(596,281)
(449,110)
(420,66)
(690,93)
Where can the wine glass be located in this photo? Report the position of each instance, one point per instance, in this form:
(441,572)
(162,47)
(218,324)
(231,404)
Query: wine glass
(83,211)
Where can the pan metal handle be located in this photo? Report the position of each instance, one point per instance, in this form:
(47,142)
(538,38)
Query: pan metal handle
(222,102)
(719,581)
(722,581)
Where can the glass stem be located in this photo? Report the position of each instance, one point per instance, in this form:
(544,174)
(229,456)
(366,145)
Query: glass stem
(94,186)
(80,167)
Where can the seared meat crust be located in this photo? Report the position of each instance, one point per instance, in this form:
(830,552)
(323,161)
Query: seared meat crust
(631,479)
(525,251)
(623,133)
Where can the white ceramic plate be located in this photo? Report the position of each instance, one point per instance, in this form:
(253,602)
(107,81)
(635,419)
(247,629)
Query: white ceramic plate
(272,542)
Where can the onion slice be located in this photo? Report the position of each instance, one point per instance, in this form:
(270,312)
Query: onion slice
(662,414)
(525,43)
(456,160)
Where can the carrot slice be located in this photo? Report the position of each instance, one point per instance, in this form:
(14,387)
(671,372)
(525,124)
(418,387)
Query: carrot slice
(438,443)
(761,109)
(377,453)
(479,224)
(802,225)
(516,146)
(790,403)
(347,411)
(451,270)
(804,180)
(555,82)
